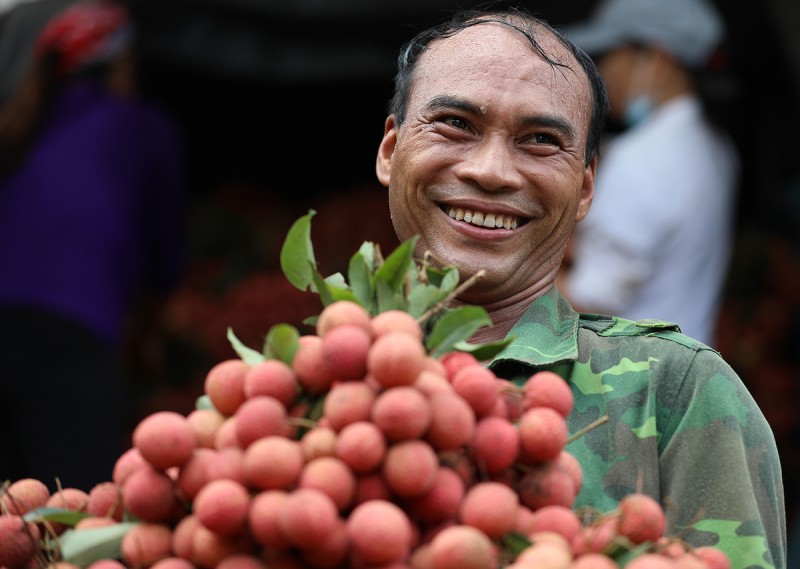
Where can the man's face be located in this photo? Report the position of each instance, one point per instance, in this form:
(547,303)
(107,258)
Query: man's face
(492,133)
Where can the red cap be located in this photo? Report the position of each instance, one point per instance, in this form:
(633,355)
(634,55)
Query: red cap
(86,32)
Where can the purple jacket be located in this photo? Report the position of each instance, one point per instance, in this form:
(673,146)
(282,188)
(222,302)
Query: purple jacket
(96,212)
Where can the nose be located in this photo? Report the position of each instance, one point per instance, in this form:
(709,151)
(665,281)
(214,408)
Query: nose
(490,164)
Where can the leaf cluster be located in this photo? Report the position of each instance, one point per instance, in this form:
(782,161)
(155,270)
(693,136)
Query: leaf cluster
(398,281)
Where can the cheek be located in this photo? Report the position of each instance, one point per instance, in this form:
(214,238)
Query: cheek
(402,207)
(398,211)
(406,179)
(560,189)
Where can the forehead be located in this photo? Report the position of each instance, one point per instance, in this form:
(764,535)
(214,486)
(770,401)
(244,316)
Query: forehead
(493,54)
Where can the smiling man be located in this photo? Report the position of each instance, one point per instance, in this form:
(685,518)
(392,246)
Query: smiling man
(489,154)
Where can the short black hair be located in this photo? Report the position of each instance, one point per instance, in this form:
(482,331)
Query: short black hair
(526,24)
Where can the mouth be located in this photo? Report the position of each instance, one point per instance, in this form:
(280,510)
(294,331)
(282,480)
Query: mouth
(487,220)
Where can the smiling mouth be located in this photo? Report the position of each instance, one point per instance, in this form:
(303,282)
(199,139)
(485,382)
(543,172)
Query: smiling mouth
(484,219)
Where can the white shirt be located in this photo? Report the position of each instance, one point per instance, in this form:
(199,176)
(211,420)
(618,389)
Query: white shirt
(656,241)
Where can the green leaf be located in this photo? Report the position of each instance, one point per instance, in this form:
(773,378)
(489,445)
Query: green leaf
(282,343)
(342,294)
(86,546)
(367,251)
(60,515)
(297,253)
(358,272)
(624,555)
(421,298)
(387,298)
(321,286)
(445,279)
(204,402)
(515,543)
(336,279)
(338,288)
(457,325)
(483,352)
(442,283)
(394,268)
(248,355)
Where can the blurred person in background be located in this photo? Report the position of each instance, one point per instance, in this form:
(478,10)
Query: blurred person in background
(92,183)
(657,242)
(20,23)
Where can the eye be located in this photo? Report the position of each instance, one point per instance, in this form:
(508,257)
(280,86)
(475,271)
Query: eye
(544,138)
(455,122)
(541,143)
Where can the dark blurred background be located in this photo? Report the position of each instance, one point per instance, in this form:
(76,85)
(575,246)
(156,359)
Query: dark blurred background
(282,106)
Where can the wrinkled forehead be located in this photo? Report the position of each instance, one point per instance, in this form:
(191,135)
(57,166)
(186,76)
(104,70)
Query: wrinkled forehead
(482,34)
(494,40)
(491,48)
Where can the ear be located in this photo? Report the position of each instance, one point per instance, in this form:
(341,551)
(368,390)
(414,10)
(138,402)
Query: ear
(587,190)
(383,165)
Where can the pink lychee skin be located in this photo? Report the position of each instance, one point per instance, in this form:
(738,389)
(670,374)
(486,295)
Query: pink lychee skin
(309,365)
(401,413)
(24,495)
(222,505)
(345,350)
(258,417)
(150,495)
(273,378)
(641,518)
(380,522)
(165,439)
(713,557)
(17,542)
(479,387)
(543,434)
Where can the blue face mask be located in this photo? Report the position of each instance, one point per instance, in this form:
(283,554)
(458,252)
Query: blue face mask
(637,109)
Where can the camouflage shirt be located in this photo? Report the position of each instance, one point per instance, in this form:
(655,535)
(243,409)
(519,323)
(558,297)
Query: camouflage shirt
(681,426)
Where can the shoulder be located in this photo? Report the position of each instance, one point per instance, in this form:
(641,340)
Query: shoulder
(603,326)
(660,343)
(653,356)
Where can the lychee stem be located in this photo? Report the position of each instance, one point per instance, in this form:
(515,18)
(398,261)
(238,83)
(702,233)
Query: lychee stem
(588,428)
(301,422)
(441,305)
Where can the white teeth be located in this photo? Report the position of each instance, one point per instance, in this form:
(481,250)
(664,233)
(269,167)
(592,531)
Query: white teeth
(481,219)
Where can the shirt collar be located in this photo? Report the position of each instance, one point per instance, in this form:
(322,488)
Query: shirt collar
(546,334)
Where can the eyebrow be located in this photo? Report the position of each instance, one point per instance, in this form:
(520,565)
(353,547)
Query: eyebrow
(449,102)
(557,123)
(554,122)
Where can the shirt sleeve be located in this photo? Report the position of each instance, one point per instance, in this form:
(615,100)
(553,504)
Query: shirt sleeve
(720,469)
